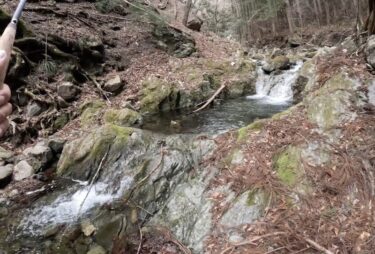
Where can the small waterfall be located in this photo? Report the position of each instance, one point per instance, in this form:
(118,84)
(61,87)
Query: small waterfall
(276,89)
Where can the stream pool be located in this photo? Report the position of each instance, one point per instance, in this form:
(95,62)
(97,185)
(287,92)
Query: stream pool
(222,117)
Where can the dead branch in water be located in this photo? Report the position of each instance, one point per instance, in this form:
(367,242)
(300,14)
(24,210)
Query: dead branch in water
(218,91)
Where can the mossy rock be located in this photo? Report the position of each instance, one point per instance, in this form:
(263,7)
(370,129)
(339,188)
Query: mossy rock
(81,156)
(157,95)
(123,117)
(331,105)
(90,112)
(289,170)
(243,132)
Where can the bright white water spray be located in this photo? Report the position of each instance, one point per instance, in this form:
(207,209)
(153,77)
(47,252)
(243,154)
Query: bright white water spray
(276,89)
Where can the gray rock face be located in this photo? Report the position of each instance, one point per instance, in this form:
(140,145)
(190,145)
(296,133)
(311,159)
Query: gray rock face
(246,209)
(22,170)
(56,145)
(114,84)
(67,90)
(5,154)
(370,50)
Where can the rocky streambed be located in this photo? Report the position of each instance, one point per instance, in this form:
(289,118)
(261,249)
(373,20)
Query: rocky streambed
(122,189)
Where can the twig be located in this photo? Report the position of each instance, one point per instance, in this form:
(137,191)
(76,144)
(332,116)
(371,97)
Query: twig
(104,93)
(140,241)
(92,182)
(252,241)
(218,91)
(317,246)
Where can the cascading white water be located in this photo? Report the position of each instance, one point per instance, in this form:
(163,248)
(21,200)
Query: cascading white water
(276,89)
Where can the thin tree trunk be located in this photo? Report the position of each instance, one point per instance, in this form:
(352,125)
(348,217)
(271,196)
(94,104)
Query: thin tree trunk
(188,6)
(289,16)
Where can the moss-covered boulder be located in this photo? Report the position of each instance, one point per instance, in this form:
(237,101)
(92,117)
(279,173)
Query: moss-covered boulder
(332,104)
(288,166)
(123,117)
(90,112)
(157,95)
(82,156)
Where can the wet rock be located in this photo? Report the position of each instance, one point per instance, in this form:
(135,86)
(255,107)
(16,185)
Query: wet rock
(41,152)
(195,24)
(97,250)
(22,170)
(67,90)
(34,109)
(107,228)
(176,125)
(298,87)
(51,231)
(370,50)
(123,117)
(277,63)
(114,84)
(5,174)
(3,212)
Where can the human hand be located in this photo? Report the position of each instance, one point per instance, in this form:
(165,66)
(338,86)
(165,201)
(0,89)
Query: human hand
(5,106)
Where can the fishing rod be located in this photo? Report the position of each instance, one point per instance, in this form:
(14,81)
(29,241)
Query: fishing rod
(8,37)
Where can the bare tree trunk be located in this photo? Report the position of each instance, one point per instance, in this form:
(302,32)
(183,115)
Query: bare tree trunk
(289,16)
(188,6)
(316,10)
(326,4)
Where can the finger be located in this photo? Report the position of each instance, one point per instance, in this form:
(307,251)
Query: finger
(3,127)
(5,111)
(4,95)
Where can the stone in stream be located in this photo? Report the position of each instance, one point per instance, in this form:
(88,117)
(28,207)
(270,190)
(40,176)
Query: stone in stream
(67,90)
(278,63)
(87,228)
(22,170)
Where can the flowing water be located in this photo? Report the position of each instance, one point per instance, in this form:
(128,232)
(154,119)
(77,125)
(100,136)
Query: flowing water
(274,94)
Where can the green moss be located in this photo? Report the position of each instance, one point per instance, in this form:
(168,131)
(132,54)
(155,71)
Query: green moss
(244,131)
(288,165)
(61,121)
(90,111)
(251,198)
(155,91)
(123,117)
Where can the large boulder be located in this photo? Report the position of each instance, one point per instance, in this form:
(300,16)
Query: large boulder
(22,170)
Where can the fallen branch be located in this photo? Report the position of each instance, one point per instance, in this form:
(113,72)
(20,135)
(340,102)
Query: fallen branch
(318,246)
(92,182)
(104,93)
(218,91)
(252,241)
(141,240)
